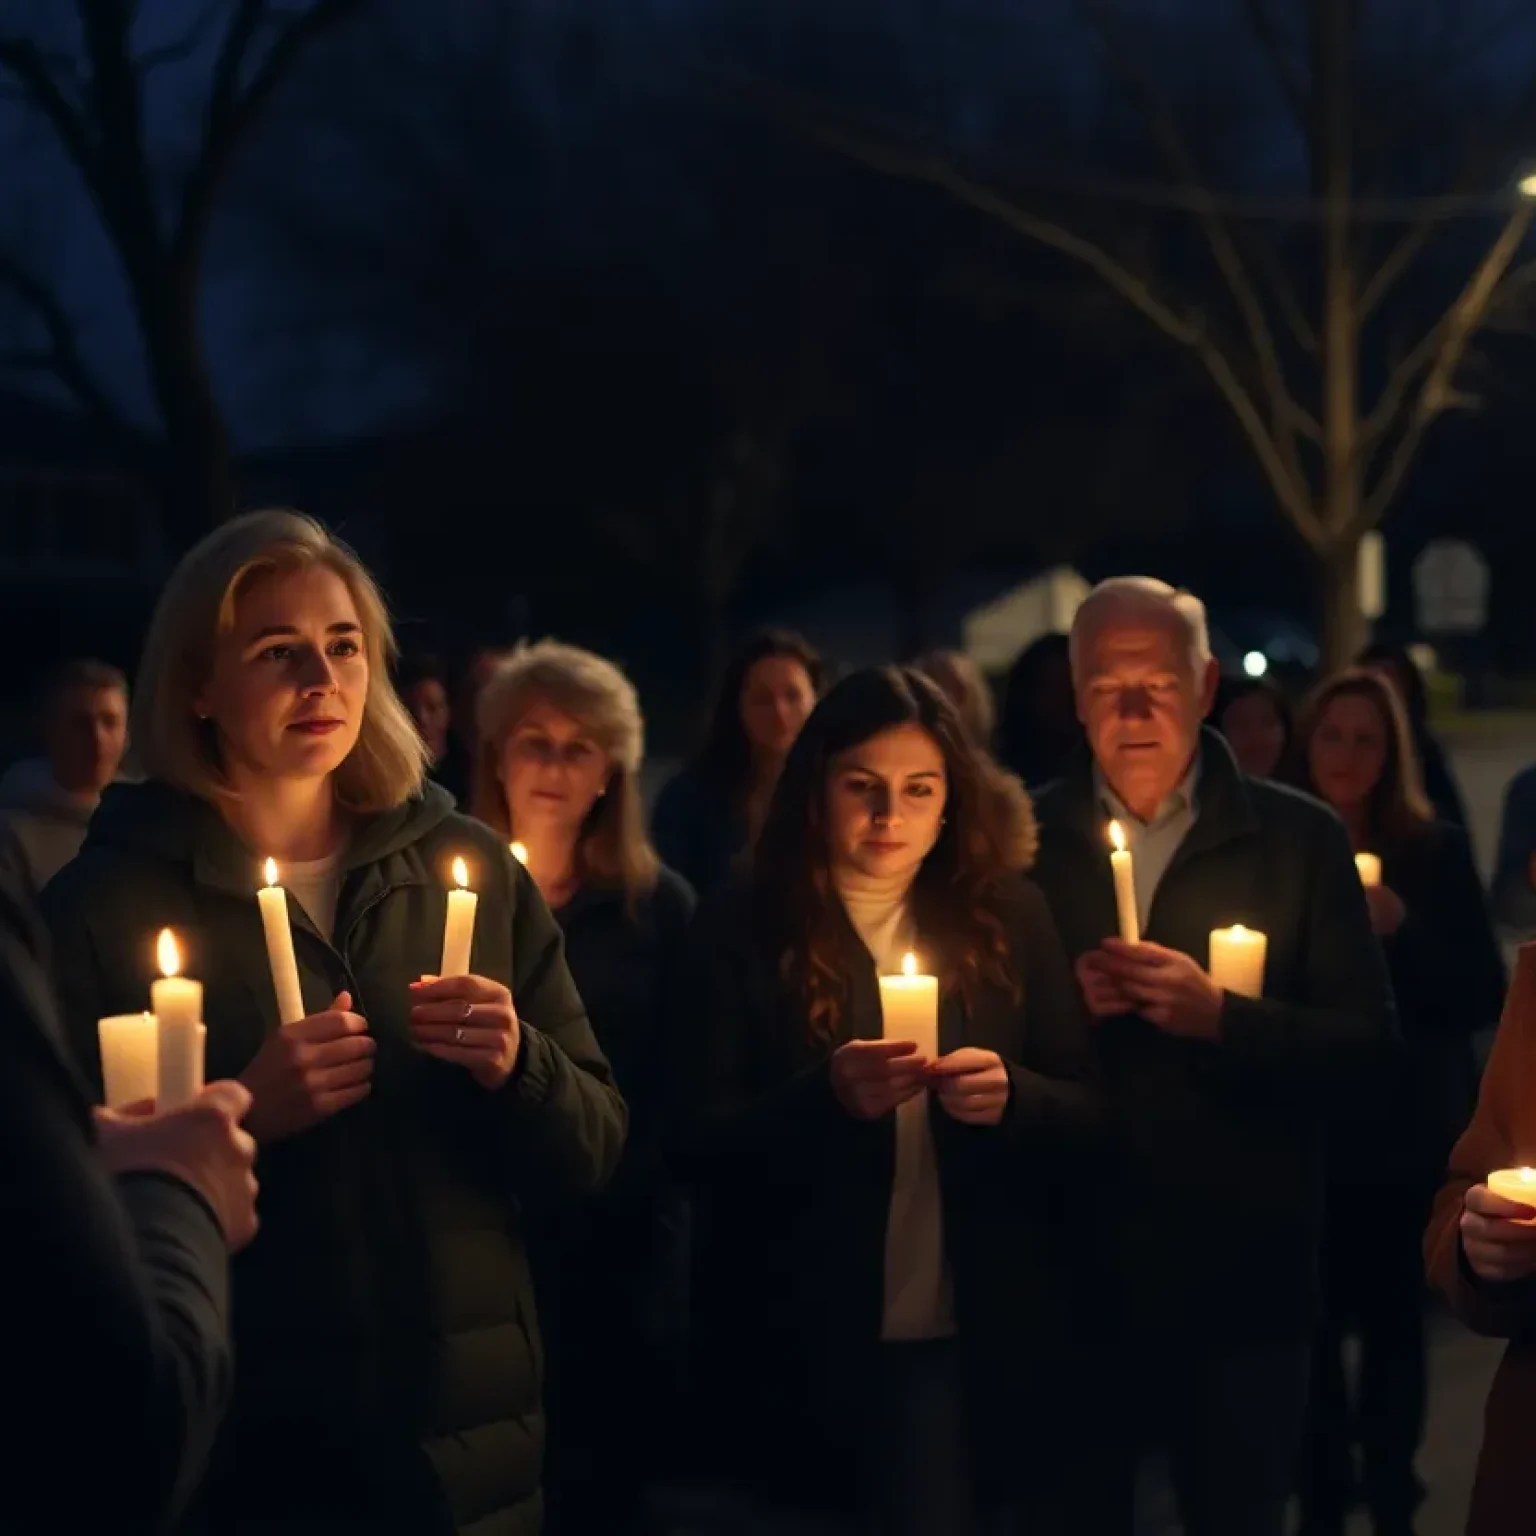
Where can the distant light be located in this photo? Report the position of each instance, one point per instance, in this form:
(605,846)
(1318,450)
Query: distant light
(1255,664)
(1527,185)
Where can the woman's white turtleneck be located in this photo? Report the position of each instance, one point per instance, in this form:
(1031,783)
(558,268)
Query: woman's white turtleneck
(919,1301)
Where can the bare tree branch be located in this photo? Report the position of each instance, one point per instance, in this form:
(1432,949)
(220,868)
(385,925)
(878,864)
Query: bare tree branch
(63,356)
(1272,44)
(232,109)
(1454,330)
(26,64)
(1399,259)
(182,48)
(1283,410)
(1302,330)
(1189,331)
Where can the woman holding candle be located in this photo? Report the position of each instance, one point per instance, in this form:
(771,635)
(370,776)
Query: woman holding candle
(708,815)
(1386,1150)
(885,1305)
(384,1319)
(561,746)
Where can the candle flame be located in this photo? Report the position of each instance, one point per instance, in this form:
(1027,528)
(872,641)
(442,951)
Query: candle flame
(1527,1175)
(909,965)
(460,874)
(520,852)
(1117,836)
(1238,931)
(271,871)
(167,953)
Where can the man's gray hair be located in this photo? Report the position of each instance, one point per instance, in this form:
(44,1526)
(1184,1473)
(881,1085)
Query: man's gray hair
(1144,598)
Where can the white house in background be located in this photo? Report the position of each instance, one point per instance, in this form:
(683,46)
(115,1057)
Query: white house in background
(994,634)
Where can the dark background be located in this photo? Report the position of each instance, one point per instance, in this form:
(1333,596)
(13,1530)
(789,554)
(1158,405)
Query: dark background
(585,319)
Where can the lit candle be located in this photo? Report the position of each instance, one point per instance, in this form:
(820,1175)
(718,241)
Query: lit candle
(1125,885)
(1237,960)
(459,928)
(130,1058)
(520,852)
(177,1004)
(1369,865)
(1517,1184)
(909,1008)
(280,957)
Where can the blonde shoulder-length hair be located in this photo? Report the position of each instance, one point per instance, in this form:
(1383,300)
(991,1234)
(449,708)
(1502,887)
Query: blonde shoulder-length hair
(614,847)
(386,767)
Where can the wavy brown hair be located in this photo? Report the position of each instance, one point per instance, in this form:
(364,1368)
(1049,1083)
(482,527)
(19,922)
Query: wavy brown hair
(1399,810)
(958,896)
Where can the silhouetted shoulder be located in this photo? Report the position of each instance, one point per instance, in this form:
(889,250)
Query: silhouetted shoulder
(1281,805)
(673,900)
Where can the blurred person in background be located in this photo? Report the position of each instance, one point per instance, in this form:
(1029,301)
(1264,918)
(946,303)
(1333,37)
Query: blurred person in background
(422,683)
(965,685)
(47,802)
(1257,719)
(1040,732)
(562,741)
(708,814)
(1400,669)
(1388,1144)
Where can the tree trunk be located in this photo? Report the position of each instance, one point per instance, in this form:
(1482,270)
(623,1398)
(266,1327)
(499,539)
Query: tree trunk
(1343,625)
(197,476)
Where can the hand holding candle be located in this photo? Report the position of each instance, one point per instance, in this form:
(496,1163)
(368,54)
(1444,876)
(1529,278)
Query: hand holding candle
(1124,870)
(1166,987)
(177,1004)
(909,1008)
(459,925)
(1498,1225)
(281,959)
(871,1078)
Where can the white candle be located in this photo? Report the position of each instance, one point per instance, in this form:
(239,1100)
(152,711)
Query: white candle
(909,1008)
(459,927)
(280,956)
(520,852)
(177,1003)
(130,1058)
(1237,960)
(1125,885)
(1369,866)
(1517,1184)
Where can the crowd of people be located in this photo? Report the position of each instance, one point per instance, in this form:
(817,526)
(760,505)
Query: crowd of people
(652,1222)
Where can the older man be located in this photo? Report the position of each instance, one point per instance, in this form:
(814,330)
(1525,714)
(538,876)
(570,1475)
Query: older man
(1213,1203)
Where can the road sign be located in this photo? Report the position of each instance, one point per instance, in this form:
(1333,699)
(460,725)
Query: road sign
(1450,588)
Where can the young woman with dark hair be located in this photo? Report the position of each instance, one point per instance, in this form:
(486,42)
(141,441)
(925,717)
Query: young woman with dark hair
(886,1304)
(709,813)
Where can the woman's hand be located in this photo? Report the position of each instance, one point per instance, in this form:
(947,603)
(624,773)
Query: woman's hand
(972,1085)
(1498,1236)
(469,1021)
(306,1072)
(871,1077)
(1386,908)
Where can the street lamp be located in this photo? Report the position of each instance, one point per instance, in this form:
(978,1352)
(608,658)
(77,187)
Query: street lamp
(1255,664)
(1526,186)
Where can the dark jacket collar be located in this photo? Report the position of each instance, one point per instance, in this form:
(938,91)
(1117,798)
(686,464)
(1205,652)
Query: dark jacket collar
(159,821)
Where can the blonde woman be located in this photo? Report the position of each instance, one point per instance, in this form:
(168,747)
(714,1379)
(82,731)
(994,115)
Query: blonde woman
(389,1357)
(561,745)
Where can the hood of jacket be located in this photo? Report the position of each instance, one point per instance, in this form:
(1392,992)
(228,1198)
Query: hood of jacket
(29,788)
(156,820)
